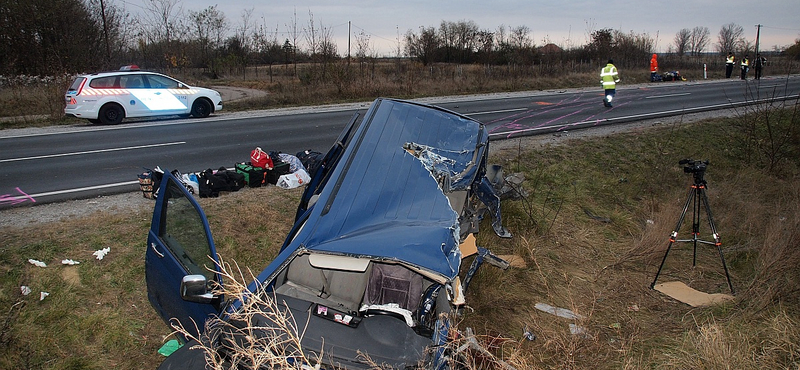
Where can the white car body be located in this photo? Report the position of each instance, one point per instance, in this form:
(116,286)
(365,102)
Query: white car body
(109,97)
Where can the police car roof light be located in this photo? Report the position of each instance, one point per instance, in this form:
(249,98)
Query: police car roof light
(131,67)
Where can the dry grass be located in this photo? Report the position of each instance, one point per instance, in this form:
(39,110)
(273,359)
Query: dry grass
(599,267)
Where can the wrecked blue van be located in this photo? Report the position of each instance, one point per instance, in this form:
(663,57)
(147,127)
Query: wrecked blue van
(372,268)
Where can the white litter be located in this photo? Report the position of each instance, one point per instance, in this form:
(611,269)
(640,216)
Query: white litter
(36,263)
(560,312)
(70,262)
(25,290)
(101,253)
(42,295)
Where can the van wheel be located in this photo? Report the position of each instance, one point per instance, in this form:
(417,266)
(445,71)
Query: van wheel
(201,108)
(111,114)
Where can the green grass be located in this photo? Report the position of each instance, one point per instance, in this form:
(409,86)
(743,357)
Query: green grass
(98,317)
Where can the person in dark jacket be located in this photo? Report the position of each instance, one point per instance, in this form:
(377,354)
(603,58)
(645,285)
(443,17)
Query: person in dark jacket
(759,64)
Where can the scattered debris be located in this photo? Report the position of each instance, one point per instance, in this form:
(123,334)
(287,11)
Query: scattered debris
(36,263)
(615,325)
(25,290)
(42,295)
(694,298)
(528,334)
(70,262)
(595,217)
(560,312)
(633,308)
(168,348)
(579,330)
(101,253)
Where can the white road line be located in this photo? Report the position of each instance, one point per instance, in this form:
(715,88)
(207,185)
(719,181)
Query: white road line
(66,191)
(90,152)
(667,96)
(496,111)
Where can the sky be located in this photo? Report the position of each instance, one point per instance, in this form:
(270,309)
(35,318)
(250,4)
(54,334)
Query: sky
(566,23)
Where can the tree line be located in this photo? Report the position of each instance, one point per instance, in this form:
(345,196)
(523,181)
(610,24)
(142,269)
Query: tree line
(51,37)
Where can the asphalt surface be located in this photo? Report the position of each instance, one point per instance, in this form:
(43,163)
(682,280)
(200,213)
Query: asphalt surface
(44,165)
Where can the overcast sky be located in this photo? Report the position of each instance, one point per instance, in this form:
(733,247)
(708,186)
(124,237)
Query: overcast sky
(564,22)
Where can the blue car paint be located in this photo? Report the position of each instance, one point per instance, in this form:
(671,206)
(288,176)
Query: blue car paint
(382,194)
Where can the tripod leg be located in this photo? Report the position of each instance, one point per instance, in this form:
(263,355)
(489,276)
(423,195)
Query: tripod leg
(695,222)
(717,240)
(674,235)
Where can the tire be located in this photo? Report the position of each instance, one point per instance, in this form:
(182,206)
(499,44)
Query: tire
(111,114)
(201,108)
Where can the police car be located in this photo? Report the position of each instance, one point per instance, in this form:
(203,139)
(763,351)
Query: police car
(109,97)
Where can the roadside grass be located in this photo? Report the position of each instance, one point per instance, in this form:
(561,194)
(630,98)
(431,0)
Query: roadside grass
(591,231)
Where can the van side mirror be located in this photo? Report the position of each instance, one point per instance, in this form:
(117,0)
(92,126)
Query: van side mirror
(194,288)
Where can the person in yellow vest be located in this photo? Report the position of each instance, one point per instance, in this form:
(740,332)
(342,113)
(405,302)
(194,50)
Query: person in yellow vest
(609,78)
(745,67)
(729,62)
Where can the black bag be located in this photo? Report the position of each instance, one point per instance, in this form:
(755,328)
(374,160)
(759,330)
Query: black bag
(233,180)
(253,176)
(311,160)
(211,184)
(278,169)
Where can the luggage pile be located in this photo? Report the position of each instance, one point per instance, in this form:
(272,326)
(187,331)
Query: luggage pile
(274,168)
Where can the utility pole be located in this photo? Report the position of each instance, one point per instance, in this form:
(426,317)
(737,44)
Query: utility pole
(758,36)
(349,33)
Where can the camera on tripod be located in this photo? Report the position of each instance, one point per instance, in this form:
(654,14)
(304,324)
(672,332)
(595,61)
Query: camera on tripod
(692,166)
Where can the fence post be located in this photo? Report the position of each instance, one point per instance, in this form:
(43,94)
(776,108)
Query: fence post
(705,72)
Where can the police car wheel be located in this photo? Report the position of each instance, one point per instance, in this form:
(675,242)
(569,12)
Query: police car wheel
(111,114)
(201,108)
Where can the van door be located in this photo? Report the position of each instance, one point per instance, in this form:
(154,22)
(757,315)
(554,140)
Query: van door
(179,244)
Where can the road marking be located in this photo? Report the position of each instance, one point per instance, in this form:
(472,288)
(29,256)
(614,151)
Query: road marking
(95,187)
(667,96)
(90,152)
(496,111)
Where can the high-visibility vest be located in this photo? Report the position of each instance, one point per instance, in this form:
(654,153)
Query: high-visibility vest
(730,59)
(609,76)
(745,62)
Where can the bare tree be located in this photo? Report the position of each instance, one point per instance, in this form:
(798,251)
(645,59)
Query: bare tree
(699,40)
(730,38)
(208,27)
(312,36)
(681,41)
(423,46)
(162,20)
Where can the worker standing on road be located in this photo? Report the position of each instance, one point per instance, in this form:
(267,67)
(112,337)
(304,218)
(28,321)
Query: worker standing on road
(759,63)
(654,68)
(609,78)
(745,64)
(729,62)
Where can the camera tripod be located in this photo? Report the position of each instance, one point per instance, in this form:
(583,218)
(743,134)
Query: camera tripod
(698,198)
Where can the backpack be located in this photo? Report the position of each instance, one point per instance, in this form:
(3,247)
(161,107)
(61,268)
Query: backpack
(311,160)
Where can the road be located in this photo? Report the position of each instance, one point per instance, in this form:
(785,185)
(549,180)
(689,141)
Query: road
(54,164)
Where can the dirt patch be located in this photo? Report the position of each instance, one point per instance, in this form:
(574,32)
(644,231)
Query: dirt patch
(232,93)
(71,276)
